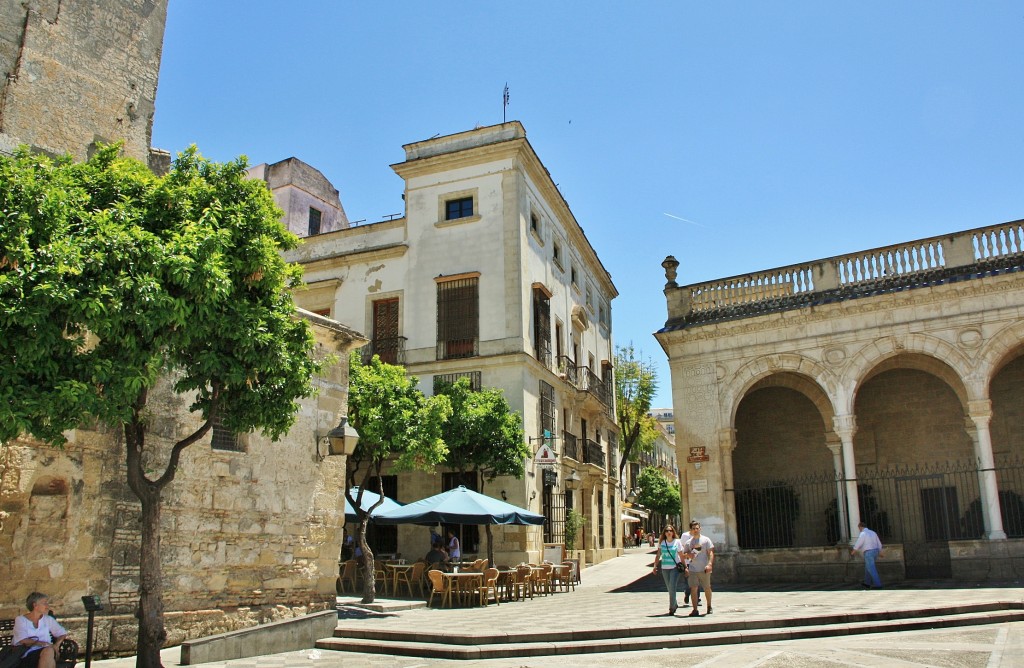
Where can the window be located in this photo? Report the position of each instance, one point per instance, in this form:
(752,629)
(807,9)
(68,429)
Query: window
(590,299)
(535,223)
(542,326)
(458,208)
(386,342)
(573,278)
(547,408)
(556,254)
(458,318)
(223,438)
(315,216)
(449,379)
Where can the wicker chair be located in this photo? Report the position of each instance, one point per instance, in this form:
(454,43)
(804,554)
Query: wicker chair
(524,582)
(348,574)
(490,587)
(410,577)
(439,586)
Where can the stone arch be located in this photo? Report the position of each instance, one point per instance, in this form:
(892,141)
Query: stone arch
(916,351)
(998,351)
(795,371)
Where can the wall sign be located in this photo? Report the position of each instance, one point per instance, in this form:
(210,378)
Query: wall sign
(698,454)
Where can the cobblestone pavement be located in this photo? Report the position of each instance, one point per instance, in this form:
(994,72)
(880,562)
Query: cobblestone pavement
(621,593)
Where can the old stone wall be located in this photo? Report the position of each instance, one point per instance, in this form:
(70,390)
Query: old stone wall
(79,71)
(246,537)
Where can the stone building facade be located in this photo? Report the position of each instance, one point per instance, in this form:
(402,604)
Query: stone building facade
(489,276)
(76,72)
(251,529)
(884,385)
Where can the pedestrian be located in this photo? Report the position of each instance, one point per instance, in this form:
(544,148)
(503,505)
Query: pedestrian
(668,560)
(871,546)
(701,552)
(686,574)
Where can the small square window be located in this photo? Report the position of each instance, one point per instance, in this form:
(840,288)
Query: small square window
(315,216)
(556,254)
(224,439)
(535,223)
(458,208)
(573,278)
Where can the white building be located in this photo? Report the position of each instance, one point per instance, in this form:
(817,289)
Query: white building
(489,275)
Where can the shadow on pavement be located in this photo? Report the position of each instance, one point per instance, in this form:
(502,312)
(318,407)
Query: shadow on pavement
(346,612)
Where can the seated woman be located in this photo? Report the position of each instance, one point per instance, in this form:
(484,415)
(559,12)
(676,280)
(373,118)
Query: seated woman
(38,631)
(437,558)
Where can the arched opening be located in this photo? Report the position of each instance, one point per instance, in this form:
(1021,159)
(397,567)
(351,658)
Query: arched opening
(783,472)
(1006,391)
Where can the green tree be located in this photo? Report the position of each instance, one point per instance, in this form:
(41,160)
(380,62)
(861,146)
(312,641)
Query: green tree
(111,278)
(395,423)
(657,492)
(574,521)
(484,436)
(636,381)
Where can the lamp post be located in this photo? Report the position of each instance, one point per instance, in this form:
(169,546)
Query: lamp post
(572,481)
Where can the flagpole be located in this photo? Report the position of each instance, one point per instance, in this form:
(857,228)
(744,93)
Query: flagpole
(504,103)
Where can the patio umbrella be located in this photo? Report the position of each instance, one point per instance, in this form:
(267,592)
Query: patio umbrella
(369,498)
(458,506)
(629,518)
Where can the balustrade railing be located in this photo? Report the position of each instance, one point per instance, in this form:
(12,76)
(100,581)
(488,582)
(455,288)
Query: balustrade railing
(592,453)
(572,448)
(900,266)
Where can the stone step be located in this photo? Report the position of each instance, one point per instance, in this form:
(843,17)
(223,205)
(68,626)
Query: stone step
(491,646)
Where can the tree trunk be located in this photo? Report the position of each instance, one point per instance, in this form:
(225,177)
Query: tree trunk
(490,546)
(152,633)
(369,583)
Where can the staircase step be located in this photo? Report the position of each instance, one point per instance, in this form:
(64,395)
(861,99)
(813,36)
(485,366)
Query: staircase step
(493,646)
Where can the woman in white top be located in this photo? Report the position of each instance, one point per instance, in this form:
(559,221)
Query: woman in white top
(454,551)
(670,553)
(38,631)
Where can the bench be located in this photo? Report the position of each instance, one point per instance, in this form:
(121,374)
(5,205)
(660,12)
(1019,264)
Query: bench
(67,653)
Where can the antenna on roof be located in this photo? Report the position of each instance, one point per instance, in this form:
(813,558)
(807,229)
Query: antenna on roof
(504,103)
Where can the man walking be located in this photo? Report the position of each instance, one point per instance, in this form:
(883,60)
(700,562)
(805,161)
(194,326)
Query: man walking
(701,552)
(871,546)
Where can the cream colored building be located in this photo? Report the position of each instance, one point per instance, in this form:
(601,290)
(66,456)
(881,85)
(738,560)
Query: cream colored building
(884,385)
(488,275)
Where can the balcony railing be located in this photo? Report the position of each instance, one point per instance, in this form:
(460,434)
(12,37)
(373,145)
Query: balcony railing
(914,264)
(585,380)
(572,448)
(391,350)
(592,453)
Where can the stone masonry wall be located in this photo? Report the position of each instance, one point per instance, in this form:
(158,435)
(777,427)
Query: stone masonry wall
(79,71)
(246,537)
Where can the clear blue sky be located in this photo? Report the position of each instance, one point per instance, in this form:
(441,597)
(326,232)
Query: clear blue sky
(780,131)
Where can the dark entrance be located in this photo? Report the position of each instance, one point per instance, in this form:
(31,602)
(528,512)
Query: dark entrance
(929,512)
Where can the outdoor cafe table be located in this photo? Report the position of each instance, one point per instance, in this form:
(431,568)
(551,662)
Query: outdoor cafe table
(464,582)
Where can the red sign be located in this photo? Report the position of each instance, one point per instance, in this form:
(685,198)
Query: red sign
(698,454)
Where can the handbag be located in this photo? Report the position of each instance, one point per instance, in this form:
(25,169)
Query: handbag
(10,655)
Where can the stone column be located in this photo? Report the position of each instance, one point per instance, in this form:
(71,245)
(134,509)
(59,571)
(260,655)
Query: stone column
(835,446)
(846,426)
(726,444)
(980,413)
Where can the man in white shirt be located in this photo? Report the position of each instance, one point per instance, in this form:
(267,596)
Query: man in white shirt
(869,544)
(701,553)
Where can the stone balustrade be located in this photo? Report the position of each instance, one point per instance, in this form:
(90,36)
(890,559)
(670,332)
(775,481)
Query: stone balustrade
(908,265)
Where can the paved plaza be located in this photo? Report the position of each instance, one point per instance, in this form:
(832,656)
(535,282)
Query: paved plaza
(622,594)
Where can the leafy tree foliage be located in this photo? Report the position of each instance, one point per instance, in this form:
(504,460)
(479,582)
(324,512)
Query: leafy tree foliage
(636,381)
(658,493)
(484,436)
(395,423)
(111,278)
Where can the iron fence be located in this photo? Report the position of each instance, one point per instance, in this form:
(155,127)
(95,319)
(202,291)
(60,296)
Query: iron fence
(572,448)
(906,504)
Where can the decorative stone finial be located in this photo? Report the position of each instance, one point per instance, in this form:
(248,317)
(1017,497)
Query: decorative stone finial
(670,265)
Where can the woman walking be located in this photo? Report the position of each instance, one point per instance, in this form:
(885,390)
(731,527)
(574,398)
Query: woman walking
(668,560)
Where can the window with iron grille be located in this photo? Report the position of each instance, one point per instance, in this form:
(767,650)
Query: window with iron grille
(547,408)
(449,379)
(600,519)
(542,326)
(315,216)
(458,318)
(224,439)
(458,208)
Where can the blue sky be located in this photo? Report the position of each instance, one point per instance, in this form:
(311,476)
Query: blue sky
(780,131)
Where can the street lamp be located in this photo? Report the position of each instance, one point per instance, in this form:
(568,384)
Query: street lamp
(572,481)
(341,440)
(633,494)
